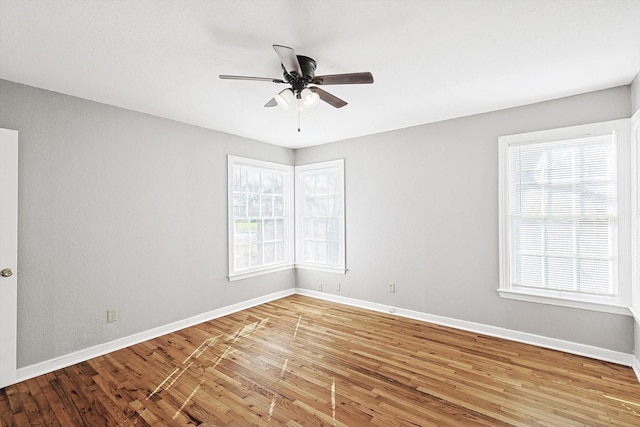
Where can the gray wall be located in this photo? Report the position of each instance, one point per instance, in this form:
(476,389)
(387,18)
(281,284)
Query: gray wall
(123,210)
(422,211)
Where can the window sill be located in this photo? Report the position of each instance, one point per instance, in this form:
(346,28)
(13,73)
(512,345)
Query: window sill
(337,270)
(248,274)
(254,273)
(586,304)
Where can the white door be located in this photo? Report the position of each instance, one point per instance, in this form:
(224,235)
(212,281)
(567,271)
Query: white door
(8,254)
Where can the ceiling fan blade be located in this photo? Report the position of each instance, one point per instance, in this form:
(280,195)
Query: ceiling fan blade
(272,103)
(344,79)
(289,60)
(259,79)
(328,98)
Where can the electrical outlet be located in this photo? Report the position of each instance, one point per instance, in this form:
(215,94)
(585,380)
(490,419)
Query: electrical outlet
(319,286)
(112,315)
(391,286)
(338,287)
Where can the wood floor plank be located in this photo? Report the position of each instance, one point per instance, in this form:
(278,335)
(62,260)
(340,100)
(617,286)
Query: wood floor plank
(300,361)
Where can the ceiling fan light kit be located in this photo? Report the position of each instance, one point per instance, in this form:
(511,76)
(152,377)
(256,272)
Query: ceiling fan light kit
(299,73)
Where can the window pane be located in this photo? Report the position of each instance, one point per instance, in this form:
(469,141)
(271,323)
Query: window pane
(321,184)
(269,253)
(237,179)
(309,230)
(309,250)
(241,257)
(266,179)
(594,238)
(269,229)
(309,182)
(310,207)
(267,206)
(278,184)
(593,273)
(332,183)
(559,238)
(280,255)
(333,230)
(528,235)
(322,206)
(254,204)
(278,206)
(280,234)
(242,232)
(528,271)
(321,230)
(239,205)
(255,230)
(333,252)
(253,180)
(256,254)
(560,273)
(321,252)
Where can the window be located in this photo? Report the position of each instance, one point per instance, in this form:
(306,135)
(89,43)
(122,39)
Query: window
(320,237)
(564,216)
(260,217)
(262,226)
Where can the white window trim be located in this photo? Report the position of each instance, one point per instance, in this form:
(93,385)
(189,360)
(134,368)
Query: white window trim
(621,302)
(340,269)
(635,201)
(289,206)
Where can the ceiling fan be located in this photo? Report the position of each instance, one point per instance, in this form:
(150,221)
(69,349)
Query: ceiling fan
(299,72)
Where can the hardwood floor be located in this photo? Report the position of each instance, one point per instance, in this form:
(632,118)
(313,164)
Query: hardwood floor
(299,361)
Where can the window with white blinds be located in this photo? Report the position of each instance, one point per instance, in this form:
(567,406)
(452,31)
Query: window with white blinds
(560,220)
(320,236)
(562,214)
(260,217)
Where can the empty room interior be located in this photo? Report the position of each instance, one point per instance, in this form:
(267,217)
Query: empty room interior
(347,213)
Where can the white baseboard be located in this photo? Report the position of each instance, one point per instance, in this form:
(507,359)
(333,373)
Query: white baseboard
(51,365)
(635,364)
(494,331)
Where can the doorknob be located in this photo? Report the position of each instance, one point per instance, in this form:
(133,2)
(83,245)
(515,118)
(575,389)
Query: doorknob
(6,272)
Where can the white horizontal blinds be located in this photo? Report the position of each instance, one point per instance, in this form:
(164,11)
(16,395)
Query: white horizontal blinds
(563,215)
(259,217)
(321,216)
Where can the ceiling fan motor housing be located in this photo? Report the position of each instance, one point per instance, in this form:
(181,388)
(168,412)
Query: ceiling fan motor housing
(308,67)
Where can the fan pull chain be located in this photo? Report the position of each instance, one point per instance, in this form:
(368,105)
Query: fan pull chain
(298,119)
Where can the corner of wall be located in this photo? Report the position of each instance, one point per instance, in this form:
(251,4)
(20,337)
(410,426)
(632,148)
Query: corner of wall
(635,94)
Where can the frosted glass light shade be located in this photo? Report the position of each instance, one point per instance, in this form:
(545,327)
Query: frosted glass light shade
(284,98)
(309,98)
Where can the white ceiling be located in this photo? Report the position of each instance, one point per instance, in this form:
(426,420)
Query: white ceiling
(431,60)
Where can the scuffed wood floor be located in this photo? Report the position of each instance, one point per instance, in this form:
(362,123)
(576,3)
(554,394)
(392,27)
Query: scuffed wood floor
(299,361)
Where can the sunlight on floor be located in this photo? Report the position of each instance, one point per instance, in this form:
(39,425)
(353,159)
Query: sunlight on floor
(209,343)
